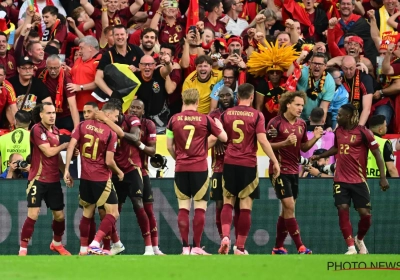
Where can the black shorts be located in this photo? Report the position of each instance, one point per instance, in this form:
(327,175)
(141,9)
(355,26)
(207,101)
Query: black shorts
(192,184)
(240,181)
(131,186)
(286,185)
(359,193)
(98,193)
(81,206)
(51,193)
(216,186)
(147,191)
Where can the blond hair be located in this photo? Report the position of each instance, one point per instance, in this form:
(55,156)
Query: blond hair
(190,96)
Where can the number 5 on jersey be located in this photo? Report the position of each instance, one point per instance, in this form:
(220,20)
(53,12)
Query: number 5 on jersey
(239,131)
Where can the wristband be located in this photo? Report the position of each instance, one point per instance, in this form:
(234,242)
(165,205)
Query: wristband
(142,146)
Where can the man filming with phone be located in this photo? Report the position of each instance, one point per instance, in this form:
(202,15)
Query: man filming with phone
(236,55)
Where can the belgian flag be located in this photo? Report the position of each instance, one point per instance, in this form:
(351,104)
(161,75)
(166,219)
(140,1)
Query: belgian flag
(121,80)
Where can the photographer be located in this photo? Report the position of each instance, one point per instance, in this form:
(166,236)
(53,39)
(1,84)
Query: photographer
(17,168)
(318,169)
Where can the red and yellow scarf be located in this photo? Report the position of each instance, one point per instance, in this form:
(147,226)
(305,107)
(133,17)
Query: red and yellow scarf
(59,90)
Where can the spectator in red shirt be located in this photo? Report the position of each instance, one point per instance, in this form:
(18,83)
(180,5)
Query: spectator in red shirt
(55,25)
(8,98)
(6,58)
(36,53)
(215,10)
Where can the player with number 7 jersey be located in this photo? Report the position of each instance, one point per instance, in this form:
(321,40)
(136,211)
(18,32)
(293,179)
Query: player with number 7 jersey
(187,142)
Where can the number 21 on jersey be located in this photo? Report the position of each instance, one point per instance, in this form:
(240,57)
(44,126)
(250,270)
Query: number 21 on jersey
(93,143)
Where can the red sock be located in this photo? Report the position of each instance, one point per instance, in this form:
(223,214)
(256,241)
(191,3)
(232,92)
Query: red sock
(105,227)
(345,227)
(148,207)
(58,230)
(84,228)
(294,231)
(199,220)
(107,242)
(281,232)
(183,224)
(218,221)
(226,219)
(363,226)
(244,225)
(114,234)
(92,230)
(27,232)
(236,220)
(144,225)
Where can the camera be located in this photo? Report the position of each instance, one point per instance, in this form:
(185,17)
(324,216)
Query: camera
(22,164)
(304,161)
(160,162)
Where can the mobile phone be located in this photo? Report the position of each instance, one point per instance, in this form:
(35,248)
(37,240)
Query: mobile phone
(236,51)
(192,28)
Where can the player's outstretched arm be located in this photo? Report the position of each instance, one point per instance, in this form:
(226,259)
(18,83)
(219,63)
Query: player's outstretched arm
(171,144)
(266,146)
(332,151)
(99,115)
(133,135)
(318,132)
(211,141)
(70,152)
(381,165)
(52,151)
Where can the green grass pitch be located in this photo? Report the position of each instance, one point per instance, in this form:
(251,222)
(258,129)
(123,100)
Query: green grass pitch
(194,267)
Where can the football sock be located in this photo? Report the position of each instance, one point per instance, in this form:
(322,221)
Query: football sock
(144,225)
(183,224)
(58,230)
(92,229)
(218,221)
(114,235)
(198,226)
(294,231)
(345,227)
(27,231)
(281,232)
(107,243)
(226,219)
(244,225)
(84,228)
(236,219)
(105,228)
(148,207)
(363,226)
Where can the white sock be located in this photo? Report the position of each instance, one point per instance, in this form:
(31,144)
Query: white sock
(83,249)
(119,244)
(23,249)
(234,247)
(56,243)
(155,248)
(95,244)
(148,249)
(352,248)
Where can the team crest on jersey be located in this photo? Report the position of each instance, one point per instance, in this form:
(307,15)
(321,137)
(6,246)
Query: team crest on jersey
(353,138)
(356,104)
(10,65)
(178,28)
(43,136)
(300,130)
(212,86)
(156,87)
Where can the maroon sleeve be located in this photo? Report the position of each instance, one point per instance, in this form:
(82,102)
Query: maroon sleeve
(214,130)
(396,68)
(96,14)
(335,139)
(39,137)
(151,131)
(260,126)
(112,144)
(125,12)
(176,76)
(134,121)
(154,8)
(372,144)
(76,133)
(304,139)
(61,33)
(67,80)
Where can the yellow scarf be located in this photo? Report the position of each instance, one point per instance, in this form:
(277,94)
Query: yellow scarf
(384,16)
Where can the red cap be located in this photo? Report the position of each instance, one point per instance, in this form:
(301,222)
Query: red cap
(357,39)
(235,39)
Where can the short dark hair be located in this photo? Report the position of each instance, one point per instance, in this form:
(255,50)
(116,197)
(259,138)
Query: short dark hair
(119,26)
(148,30)
(168,46)
(376,121)
(211,5)
(112,105)
(50,9)
(33,34)
(233,68)
(203,58)
(92,103)
(108,29)
(320,55)
(23,117)
(317,114)
(55,42)
(30,45)
(3,34)
(245,91)
(4,68)
(331,70)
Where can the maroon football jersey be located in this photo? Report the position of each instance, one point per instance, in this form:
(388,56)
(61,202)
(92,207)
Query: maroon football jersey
(219,28)
(95,139)
(148,134)
(191,130)
(217,161)
(120,17)
(44,169)
(242,124)
(173,34)
(289,156)
(352,155)
(127,155)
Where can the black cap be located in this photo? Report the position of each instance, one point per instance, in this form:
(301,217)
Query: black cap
(24,60)
(319,152)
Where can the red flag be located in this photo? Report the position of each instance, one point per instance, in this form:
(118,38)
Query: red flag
(249,11)
(193,14)
(290,7)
